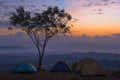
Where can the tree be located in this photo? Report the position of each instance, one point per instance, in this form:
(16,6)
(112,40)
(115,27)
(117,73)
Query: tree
(41,27)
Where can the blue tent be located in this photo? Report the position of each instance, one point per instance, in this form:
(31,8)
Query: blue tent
(25,67)
(61,66)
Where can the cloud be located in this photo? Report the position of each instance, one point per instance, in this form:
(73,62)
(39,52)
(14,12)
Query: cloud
(105,0)
(15,40)
(5,7)
(68,43)
(115,35)
(86,12)
(22,0)
(99,11)
(5,32)
(4,23)
(81,4)
(2,2)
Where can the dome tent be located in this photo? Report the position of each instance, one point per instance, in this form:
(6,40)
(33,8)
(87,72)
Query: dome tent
(89,66)
(61,66)
(25,67)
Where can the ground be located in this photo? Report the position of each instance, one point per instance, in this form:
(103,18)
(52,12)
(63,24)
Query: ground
(46,75)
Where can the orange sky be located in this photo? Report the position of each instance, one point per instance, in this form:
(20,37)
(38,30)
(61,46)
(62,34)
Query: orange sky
(91,23)
(90,17)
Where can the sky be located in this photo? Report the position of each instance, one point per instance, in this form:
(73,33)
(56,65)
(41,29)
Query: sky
(96,24)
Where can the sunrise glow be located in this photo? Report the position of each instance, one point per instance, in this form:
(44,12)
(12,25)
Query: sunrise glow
(90,17)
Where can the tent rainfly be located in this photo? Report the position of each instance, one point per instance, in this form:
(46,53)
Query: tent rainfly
(89,66)
(25,67)
(61,66)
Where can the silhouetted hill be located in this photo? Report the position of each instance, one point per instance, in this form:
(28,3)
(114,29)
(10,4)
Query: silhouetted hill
(109,61)
(110,65)
(98,55)
(10,47)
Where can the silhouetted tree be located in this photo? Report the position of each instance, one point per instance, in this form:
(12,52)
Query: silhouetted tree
(41,27)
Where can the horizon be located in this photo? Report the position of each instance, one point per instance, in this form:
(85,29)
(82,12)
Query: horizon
(96,25)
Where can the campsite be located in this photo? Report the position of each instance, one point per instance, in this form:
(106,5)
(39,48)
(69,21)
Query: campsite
(86,69)
(62,66)
(59,39)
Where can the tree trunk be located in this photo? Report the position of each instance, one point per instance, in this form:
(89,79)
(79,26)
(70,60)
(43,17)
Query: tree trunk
(40,58)
(42,54)
(40,63)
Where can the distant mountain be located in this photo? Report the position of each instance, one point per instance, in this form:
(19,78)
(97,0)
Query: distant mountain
(98,55)
(110,65)
(109,61)
(10,47)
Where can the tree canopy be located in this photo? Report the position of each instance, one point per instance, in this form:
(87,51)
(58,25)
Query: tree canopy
(41,27)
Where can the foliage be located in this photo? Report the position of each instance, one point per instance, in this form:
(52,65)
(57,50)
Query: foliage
(41,27)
